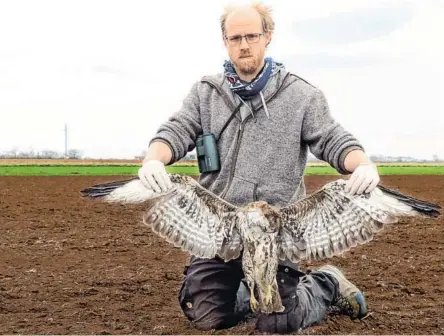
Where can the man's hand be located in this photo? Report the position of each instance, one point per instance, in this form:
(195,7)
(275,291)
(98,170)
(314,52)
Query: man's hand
(364,179)
(154,176)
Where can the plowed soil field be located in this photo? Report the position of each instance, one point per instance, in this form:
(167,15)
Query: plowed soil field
(72,266)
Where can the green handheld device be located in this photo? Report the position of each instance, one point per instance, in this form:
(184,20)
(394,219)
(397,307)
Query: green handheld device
(207,153)
(206,148)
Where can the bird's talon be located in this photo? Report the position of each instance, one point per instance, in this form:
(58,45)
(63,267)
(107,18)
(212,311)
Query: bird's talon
(253,302)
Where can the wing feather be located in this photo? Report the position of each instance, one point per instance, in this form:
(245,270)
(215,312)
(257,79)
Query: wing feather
(196,220)
(331,221)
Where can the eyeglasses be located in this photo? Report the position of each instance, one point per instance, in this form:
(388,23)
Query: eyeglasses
(237,39)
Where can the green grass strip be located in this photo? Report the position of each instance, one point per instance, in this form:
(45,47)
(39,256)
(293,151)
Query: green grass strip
(36,170)
(84,170)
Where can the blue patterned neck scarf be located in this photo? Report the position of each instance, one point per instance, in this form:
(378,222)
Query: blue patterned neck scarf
(249,90)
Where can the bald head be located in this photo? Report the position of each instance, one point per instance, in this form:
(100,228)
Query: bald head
(242,17)
(247,30)
(255,8)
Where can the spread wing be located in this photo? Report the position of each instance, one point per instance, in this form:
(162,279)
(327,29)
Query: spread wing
(196,220)
(189,216)
(331,221)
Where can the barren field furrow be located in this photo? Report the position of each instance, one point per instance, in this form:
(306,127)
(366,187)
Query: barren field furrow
(70,266)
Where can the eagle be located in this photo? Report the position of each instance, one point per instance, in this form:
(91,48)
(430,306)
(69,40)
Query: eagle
(324,224)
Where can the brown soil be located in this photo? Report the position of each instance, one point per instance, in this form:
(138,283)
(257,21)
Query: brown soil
(71,266)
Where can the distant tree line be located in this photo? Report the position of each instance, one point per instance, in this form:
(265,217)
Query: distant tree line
(78,154)
(313,159)
(387,158)
(43,154)
(383,158)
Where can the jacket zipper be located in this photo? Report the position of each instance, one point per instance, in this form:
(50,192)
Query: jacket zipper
(239,138)
(236,153)
(225,98)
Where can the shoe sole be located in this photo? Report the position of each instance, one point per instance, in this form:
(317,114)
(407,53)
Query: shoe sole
(358,297)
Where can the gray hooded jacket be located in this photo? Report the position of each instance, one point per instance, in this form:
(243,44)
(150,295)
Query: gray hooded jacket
(263,151)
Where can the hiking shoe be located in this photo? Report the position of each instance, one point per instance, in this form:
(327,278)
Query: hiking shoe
(351,300)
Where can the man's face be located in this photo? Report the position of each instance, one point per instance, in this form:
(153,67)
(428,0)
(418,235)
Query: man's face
(247,57)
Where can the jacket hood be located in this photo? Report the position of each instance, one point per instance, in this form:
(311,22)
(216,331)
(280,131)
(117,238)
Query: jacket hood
(221,84)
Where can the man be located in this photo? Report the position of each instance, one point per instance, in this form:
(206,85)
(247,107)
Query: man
(263,153)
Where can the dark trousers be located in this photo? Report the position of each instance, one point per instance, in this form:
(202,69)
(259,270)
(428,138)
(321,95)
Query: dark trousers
(211,296)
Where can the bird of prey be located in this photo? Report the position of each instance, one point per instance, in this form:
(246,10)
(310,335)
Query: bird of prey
(324,224)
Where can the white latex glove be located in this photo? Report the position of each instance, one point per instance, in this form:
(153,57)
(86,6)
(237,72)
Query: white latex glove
(154,176)
(364,179)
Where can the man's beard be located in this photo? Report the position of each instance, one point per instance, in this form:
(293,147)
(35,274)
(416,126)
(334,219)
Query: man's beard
(247,65)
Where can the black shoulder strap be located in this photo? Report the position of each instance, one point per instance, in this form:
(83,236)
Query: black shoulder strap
(239,106)
(226,99)
(229,120)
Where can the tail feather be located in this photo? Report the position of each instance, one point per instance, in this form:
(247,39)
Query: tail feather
(422,207)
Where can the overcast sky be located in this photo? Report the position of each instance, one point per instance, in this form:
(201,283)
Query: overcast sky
(115,70)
